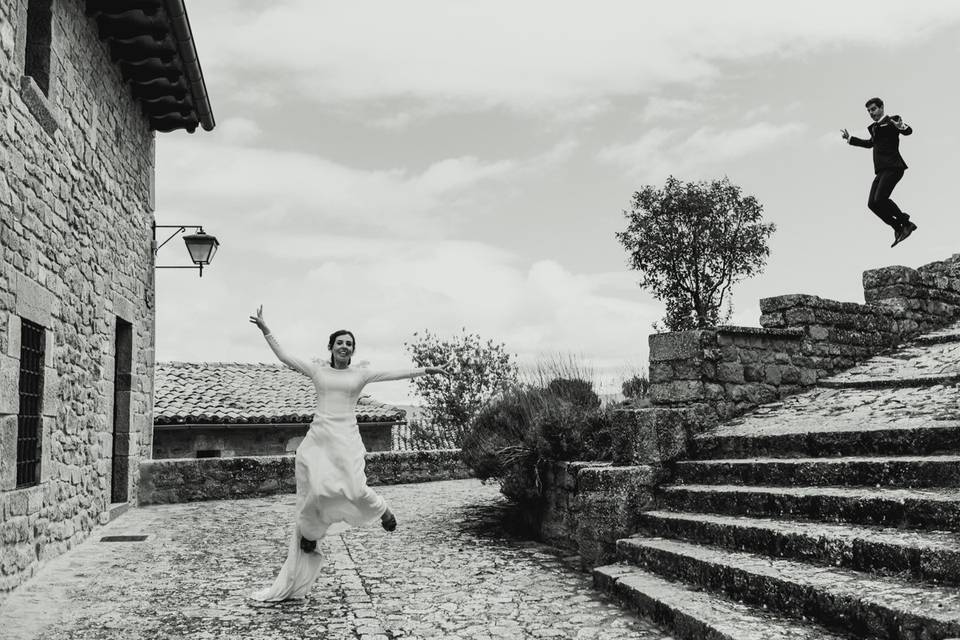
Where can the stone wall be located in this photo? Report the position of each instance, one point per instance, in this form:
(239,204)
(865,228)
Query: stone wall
(186,480)
(182,441)
(588,506)
(76,175)
(701,377)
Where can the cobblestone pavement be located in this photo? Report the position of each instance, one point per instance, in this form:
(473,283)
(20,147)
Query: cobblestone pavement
(449,571)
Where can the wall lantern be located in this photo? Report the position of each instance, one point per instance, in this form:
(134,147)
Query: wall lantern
(200,245)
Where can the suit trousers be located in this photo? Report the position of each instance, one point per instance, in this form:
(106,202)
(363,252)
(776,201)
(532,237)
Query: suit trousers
(879,200)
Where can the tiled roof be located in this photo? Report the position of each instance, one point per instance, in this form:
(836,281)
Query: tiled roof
(244,393)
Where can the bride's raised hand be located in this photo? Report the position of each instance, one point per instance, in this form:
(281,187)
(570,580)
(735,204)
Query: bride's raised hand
(258,320)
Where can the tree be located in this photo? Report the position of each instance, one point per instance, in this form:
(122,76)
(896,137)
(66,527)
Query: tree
(480,370)
(691,241)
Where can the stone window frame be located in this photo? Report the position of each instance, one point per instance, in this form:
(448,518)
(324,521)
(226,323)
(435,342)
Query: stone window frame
(122,442)
(36,304)
(40,104)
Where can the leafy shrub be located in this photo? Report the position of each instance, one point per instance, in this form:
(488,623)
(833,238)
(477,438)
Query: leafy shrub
(635,387)
(578,392)
(480,369)
(515,432)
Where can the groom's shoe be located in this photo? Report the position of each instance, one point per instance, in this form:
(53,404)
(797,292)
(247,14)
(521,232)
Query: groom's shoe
(908,228)
(388,521)
(308,546)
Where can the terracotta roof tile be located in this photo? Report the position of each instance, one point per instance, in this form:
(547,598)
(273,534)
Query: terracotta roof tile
(244,393)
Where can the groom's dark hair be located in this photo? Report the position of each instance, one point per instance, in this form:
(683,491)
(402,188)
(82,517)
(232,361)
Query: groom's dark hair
(333,338)
(876,101)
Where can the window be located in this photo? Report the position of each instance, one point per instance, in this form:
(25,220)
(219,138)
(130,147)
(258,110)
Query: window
(37,59)
(209,453)
(29,419)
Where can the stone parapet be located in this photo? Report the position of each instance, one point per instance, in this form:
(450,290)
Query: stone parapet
(703,376)
(192,479)
(588,506)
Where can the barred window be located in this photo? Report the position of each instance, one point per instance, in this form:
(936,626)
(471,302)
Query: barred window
(37,61)
(29,418)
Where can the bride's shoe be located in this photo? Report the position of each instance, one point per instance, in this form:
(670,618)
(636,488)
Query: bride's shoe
(308,546)
(388,521)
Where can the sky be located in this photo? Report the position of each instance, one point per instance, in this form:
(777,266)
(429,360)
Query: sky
(390,167)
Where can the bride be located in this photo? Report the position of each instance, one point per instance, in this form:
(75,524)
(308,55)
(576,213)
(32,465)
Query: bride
(331,484)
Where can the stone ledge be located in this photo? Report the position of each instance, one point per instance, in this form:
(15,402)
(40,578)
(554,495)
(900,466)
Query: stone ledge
(39,105)
(191,479)
(761,332)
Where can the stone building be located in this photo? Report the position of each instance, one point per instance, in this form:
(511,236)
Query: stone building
(213,409)
(83,88)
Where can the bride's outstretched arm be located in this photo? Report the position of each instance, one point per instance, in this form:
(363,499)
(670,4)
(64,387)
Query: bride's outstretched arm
(294,363)
(400,374)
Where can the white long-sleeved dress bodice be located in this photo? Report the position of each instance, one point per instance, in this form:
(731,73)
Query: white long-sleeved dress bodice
(331,483)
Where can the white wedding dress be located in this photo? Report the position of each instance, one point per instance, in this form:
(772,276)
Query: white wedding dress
(331,483)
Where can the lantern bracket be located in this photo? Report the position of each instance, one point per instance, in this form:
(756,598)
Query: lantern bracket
(179,228)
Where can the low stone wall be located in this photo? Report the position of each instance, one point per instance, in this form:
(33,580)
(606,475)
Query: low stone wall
(190,479)
(701,377)
(730,369)
(589,505)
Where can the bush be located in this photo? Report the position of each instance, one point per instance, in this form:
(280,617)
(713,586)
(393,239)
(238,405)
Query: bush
(480,369)
(512,434)
(578,392)
(635,387)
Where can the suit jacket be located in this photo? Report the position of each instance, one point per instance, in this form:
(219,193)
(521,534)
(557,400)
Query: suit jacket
(885,142)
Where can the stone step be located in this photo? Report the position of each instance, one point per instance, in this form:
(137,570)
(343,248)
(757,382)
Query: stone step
(693,614)
(928,508)
(925,555)
(937,338)
(917,438)
(891,471)
(840,599)
(867,381)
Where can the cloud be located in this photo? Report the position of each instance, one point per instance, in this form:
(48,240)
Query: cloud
(239,130)
(385,290)
(661,152)
(292,189)
(538,56)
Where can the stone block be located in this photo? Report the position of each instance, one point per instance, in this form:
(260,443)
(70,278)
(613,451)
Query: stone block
(730,372)
(661,372)
(8,453)
(773,375)
(51,391)
(677,345)
(9,385)
(13,336)
(682,391)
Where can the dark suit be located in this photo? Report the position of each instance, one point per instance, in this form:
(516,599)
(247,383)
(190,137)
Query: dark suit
(889,166)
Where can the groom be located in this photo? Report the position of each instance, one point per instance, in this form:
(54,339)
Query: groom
(885,132)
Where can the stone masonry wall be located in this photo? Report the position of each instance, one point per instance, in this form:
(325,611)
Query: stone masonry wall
(187,480)
(76,181)
(588,506)
(701,377)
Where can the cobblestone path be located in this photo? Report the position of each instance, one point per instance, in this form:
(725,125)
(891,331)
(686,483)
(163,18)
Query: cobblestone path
(449,571)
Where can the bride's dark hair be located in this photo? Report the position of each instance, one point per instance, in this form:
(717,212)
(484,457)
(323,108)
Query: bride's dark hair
(333,338)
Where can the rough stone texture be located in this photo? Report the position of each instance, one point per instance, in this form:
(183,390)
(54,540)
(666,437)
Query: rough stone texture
(838,505)
(75,233)
(448,572)
(696,614)
(806,339)
(190,479)
(925,555)
(589,505)
(866,605)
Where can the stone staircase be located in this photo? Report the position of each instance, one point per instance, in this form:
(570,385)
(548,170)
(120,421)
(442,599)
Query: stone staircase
(832,514)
